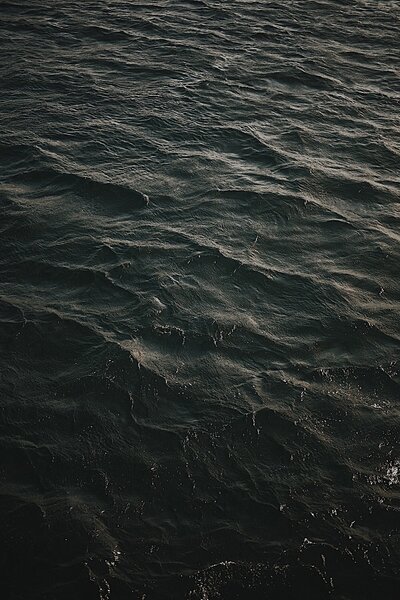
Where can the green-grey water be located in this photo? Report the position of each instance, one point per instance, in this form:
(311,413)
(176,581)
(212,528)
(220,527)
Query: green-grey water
(199,300)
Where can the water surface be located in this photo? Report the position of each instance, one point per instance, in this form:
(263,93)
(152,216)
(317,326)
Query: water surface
(199,300)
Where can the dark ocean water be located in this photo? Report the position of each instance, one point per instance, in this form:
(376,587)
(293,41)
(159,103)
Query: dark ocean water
(199,300)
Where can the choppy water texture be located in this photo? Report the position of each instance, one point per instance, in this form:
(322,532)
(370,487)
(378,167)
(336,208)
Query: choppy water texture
(199,316)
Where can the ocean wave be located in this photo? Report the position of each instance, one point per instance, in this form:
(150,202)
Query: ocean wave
(199,342)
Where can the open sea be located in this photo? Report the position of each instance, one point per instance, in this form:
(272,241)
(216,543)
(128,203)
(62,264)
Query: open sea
(200,300)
